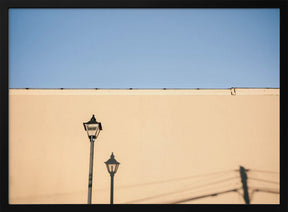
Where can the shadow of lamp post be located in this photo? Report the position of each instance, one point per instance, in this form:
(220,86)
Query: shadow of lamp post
(92,128)
(112,167)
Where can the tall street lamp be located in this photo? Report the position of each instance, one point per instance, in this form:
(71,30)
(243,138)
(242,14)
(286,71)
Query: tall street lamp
(92,128)
(112,167)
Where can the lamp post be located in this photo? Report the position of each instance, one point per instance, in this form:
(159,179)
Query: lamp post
(112,167)
(92,128)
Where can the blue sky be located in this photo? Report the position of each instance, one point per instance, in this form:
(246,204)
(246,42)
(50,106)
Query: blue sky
(143,48)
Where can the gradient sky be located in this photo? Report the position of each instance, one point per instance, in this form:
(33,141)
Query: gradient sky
(143,48)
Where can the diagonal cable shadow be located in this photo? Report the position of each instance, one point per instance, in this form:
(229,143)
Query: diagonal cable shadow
(182,190)
(262,180)
(203,196)
(175,179)
(125,186)
(263,171)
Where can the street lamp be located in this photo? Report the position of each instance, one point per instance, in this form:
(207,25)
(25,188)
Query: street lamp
(92,128)
(112,167)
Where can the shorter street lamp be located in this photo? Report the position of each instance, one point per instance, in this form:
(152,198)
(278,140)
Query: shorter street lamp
(112,167)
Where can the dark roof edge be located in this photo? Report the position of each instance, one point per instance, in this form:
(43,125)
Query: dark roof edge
(146,88)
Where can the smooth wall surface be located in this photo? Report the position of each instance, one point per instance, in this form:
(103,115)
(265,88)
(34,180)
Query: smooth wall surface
(171,145)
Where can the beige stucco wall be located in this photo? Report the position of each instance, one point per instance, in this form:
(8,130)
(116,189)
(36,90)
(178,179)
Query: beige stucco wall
(157,135)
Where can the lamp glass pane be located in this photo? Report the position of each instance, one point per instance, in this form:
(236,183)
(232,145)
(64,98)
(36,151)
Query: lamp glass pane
(111,167)
(91,129)
(116,167)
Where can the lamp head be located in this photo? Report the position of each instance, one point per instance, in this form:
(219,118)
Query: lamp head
(112,164)
(92,128)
